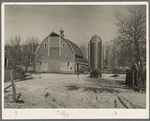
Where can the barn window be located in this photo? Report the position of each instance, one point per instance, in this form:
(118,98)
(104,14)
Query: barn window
(45,44)
(63,44)
(41,63)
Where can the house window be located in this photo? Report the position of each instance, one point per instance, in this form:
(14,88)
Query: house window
(45,44)
(6,61)
(63,44)
(67,63)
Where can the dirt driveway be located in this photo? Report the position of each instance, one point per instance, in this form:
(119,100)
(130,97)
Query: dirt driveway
(69,91)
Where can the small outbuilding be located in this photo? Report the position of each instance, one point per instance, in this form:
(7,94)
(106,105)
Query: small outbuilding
(8,66)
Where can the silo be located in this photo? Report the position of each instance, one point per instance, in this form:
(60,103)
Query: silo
(95,55)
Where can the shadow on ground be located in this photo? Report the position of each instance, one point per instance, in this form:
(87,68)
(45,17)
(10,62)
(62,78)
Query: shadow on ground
(25,79)
(18,99)
(72,87)
(100,90)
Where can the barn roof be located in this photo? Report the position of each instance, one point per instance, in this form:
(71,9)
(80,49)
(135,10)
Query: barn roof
(75,49)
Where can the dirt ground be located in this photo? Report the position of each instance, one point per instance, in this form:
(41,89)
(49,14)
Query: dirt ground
(47,90)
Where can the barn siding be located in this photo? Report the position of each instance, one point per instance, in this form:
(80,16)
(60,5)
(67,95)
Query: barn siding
(67,54)
(54,54)
(54,66)
(54,41)
(42,68)
(42,53)
(67,67)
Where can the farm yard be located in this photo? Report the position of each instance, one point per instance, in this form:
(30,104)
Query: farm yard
(49,90)
(112,39)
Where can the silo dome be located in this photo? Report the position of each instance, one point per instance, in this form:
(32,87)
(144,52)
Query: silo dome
(96,38)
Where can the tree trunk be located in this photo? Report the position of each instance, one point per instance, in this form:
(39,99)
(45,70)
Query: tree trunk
(141,78)
(26,68)
(133,77)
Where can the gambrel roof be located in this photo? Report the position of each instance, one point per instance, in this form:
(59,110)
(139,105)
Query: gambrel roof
(75,49)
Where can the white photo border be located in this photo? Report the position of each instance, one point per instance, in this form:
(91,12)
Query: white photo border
(73,113)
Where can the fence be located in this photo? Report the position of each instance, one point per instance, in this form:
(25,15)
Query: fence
(134,79)
(17,73)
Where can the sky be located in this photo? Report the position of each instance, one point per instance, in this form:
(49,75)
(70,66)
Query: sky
(79,22)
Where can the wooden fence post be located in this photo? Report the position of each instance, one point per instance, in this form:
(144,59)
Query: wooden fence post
(12,77)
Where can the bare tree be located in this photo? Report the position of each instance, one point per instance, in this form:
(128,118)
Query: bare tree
(107,48)
(21,54)
(84,50)
(132,37)
(132,29)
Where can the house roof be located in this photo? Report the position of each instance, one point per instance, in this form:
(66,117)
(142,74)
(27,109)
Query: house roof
(75,49)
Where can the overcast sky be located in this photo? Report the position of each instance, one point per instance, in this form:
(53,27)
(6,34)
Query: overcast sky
(79,23)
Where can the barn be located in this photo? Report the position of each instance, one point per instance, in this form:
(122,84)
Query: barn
(57,54)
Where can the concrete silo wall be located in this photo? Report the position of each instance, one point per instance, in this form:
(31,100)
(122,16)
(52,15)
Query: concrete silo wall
(95,55)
